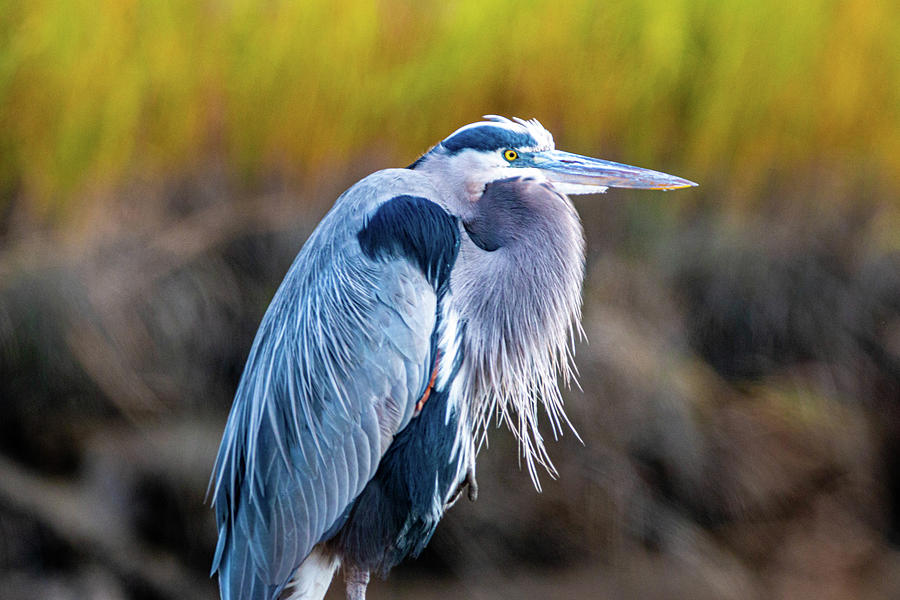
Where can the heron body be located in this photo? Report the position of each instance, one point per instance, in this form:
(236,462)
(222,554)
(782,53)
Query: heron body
(428,300)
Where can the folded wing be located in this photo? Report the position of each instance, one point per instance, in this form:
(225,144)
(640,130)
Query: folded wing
(341,357)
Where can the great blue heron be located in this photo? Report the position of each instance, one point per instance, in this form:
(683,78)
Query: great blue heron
(429,300)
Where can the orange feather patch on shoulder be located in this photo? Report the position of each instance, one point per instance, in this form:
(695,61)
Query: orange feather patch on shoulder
(421,403)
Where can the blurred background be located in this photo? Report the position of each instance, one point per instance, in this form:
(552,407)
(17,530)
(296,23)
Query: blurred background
(161,162)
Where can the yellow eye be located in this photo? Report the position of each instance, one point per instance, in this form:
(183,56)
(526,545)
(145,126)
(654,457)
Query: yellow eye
(510,155)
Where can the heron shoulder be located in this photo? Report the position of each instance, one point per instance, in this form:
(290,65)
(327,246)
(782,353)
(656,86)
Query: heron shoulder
(415,228)
(394,214)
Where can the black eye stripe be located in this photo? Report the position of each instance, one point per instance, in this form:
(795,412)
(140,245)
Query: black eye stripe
(487,138)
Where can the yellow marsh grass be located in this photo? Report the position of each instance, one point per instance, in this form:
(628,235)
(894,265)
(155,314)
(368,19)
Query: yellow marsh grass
(721,91)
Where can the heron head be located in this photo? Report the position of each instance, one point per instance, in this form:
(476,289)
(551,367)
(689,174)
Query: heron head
(498,148)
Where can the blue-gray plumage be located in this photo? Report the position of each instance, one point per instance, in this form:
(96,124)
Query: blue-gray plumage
(427,301)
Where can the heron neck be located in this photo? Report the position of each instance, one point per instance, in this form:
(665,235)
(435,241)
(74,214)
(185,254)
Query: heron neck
(521,305)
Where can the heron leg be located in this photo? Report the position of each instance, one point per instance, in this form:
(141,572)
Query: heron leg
(473,485)
(356,579)
(469,482)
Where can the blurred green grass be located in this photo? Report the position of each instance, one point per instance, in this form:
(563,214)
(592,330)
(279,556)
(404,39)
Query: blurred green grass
(733,94)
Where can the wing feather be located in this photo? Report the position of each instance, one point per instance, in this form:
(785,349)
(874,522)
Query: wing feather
(338,363)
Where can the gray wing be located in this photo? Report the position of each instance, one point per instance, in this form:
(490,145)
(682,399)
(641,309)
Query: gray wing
(339,361)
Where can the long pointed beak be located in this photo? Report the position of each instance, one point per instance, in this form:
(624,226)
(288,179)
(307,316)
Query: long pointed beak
(576,174)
